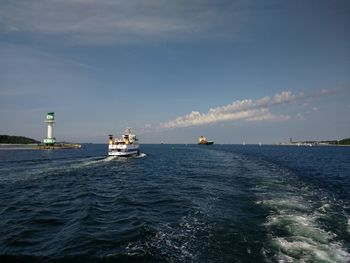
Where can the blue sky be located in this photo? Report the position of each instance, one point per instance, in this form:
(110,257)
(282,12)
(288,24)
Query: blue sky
(254,71)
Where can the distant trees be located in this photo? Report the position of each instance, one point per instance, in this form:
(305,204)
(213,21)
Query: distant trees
(339,142)
(16,139)
(345,141)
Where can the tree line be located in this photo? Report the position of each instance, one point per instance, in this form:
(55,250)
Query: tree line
(16,139)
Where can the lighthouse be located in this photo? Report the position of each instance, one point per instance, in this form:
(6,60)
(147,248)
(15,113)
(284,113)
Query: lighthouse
(50,120)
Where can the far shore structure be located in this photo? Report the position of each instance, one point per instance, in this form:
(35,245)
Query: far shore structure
(49,142)
(50,119)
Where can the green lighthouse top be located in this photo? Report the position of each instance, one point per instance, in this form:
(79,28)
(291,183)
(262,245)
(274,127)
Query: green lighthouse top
(50,116)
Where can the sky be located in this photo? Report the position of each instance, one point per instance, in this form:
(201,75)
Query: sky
(233,71)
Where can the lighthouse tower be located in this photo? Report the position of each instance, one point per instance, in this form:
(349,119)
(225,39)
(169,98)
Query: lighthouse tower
(50,119)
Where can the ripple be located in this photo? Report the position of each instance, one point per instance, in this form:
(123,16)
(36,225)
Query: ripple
(187,204)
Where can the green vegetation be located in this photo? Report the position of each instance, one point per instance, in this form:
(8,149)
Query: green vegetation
(16,140)
(340,142)
(345,141)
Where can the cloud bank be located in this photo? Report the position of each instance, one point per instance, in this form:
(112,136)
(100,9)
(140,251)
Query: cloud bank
(120,21)
(247,110)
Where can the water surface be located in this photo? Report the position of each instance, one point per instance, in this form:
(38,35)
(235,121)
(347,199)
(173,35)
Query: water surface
(177,203)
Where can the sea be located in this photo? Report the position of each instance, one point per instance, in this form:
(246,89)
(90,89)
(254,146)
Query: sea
(176,203)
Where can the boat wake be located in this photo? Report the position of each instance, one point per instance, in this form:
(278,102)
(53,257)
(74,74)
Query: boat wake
(141,155)
(93,162)
(299,226)
(46,169)
(179,242)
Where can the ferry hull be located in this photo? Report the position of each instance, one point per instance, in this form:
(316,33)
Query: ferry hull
(123,154)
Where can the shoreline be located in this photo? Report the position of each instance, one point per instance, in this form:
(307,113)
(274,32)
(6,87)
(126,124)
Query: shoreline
(10,146)
(35,146)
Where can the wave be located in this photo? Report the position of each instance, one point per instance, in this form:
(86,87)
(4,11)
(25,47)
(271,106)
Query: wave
(141,155)
(39,168)
(179,242)
(45,169)
(294,224)
(94,161)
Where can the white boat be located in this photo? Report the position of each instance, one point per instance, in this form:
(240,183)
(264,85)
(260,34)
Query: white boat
(125,146)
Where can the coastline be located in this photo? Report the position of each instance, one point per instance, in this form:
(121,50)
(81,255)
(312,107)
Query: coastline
(11,146)
(35,146)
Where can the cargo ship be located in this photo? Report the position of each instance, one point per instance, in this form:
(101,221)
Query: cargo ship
(202,140)
(125,146)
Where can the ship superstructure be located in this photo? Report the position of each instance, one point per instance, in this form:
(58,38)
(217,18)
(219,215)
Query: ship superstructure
(203,140)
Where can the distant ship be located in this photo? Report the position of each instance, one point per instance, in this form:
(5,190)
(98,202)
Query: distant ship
(125,146)
(203,140)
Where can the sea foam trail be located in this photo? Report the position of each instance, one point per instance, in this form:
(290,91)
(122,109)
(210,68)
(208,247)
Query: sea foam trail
(141,155)
(94,162)
(295,212)
(46,169)
(174,242)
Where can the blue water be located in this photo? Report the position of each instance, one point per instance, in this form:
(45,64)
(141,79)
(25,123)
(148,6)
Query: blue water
(176,203)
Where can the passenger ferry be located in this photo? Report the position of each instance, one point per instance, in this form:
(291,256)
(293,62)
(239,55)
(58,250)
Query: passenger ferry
(125,146)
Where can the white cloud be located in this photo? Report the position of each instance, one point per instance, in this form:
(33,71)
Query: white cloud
(269,116)
(120,21)
(283,97)
(247,110)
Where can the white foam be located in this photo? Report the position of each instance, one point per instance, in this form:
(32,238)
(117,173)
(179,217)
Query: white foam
(108,159)
(306,241)
(324,208)
(309,250)
(93,162)
(291,220)
(45,169)
(295,232)
(141,155)
(177,241)
(286,204)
